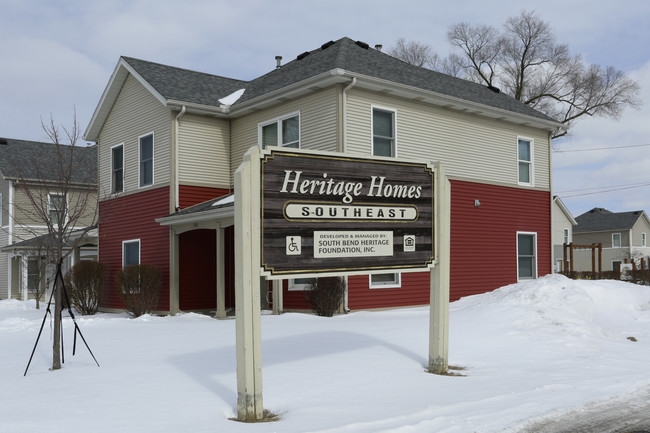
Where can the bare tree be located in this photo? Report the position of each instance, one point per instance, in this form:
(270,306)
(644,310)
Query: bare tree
(415,53)
(525,61)
(56,188)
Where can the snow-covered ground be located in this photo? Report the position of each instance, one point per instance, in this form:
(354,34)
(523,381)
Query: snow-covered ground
(531,352)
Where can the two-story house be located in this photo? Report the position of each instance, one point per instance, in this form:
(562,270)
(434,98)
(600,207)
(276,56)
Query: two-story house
(624,236)
(41,180)
(171,138)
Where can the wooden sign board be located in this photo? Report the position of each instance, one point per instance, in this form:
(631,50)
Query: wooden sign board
(333,214)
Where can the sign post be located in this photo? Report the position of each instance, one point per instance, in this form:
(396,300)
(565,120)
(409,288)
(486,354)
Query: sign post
(247,289)
(439,280)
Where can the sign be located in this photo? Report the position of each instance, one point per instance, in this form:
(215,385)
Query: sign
(337,214)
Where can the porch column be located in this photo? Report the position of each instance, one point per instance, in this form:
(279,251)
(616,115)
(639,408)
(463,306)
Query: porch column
(277,297)
(221,273)
(174,272)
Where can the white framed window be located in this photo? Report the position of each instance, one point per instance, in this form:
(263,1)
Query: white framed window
(300,283)
(565,235)
(525,161)
(384,141)
(616,240)
(146,159)
(131,252)
(644,242)
(282,131)
(385,281)
(57,208)
(117,168)
(526,255)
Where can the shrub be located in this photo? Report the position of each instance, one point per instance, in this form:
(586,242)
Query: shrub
(324,295)
(139,287)
(83,283)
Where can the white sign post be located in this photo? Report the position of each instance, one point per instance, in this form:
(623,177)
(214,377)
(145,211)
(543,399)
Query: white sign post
(439,279)
(247,289)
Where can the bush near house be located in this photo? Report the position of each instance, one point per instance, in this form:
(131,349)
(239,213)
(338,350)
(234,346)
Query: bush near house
(84,283)
(139,287)
(325,295)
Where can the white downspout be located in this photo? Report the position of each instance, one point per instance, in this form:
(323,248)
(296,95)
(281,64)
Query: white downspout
(177,198)
(344,142)
(345,120)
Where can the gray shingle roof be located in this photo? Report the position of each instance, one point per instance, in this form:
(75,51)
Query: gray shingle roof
(599,219)
(185,85)
(22,159)
(345,54)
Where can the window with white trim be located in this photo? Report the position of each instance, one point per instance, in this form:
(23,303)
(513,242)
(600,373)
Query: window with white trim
(383,132)
(282,131)
(385,281)
(131,252)
(525,161)
(566,236)
(146,159)
(300,283)
(117,169)
(526,255)
(616,240)
(643,236)
(57,209)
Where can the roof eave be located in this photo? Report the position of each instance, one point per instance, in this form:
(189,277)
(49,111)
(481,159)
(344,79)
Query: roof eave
(110,94)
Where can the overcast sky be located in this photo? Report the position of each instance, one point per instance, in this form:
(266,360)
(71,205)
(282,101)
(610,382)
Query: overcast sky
(58,54)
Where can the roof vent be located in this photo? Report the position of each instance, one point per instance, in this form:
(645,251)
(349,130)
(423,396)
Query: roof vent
(378,47)
(362,45)
(303,55)
(326,45)
(3,140)
(494,89)
(278,60)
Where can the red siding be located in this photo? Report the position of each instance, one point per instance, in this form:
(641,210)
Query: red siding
(483,246)
(198,277)
(133,217)
(191,195)
(483,238)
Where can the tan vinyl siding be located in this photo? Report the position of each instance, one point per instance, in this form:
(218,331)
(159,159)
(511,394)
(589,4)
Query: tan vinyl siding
(136,112)
(469,146)
(318,123)
(26,215)
(204,151)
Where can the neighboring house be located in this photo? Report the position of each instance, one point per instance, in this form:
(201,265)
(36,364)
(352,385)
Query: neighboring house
(562,224)
(28,168)
(624,236)
(171,138)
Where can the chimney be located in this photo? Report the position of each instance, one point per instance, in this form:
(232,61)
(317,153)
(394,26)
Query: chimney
(278,59)
(378,47)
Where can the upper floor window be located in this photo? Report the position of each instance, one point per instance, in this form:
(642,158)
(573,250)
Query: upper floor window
(616,240)
(643,236)
(566,236)
(146,160)
(383,132)
(525,158)
(283,131)
(526,255)
(117,169)
(56,207)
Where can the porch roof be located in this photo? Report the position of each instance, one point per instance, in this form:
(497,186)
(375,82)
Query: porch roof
(47,241)
(216,212)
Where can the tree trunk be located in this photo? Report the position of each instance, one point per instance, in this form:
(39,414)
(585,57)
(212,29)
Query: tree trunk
(56,347)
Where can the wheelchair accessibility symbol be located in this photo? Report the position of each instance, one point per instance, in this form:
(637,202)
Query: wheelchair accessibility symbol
(293,246)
